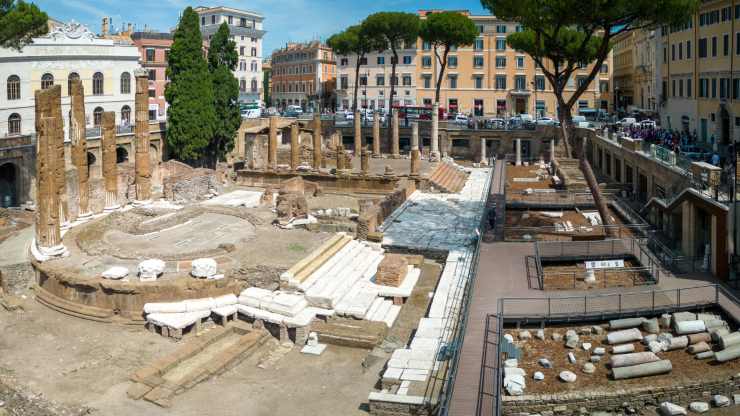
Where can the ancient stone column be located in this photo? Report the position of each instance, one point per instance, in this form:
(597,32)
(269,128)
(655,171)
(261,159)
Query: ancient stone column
(48,233)
(434,153)
(483,159)
(340,158)
(365,161)
(415,153)
(358,133)
(142,168)
(317,141)
(552,149)
(272,144)
(110,170)
(518,152)
(295,147)
(395,151)
(376,134)
(79,146)
(49,104)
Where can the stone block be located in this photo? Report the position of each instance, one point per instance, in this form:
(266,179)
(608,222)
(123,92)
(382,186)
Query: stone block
(392,270)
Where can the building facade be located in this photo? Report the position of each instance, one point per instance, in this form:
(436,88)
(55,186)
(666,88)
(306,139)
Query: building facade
(106,68)
(153,50)
(303,74)
(246,30)
(490,78)
(375,80)
(699,77)
(634,74)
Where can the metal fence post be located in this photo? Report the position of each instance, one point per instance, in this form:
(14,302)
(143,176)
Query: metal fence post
(653,301)
(678,291)
(549,307)
(585,305)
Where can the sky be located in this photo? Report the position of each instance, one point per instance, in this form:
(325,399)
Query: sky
(285,20)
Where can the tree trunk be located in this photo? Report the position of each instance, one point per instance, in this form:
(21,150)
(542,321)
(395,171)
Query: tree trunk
(566,126)
(442,67)
(394,62)
(357,81)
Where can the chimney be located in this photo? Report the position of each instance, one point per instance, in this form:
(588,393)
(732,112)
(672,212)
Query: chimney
(106,26)
(130,28)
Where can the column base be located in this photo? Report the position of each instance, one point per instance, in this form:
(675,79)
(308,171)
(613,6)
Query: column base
(138,203)
(43,254)
(434,156)
(112,208)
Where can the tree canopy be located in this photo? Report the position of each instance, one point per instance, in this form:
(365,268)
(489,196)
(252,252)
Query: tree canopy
(191,116)
(19,22)
(222,60)
(351,41)
(445,30)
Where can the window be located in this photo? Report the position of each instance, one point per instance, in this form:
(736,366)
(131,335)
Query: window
(126,115)
(243,21)
(481,28)
(478,61)
(500,82)
(426,61)
(520,82)
(126,82)
(703,48)
(539,82)
(582,104)
(98,84)
(150,55)
(407,59)
(452,61)
(453,81)
(501,44)
(394,80)
(47,80)
(343,82)
(714,87)
(254,52)
(407,80)
(426,45)
(500,62)
(243,86)
(213,19)
(152,93)
(427,81)
(380,80)
(14,87)
(673,88)
(580,80)
(500,28)
(343,62)
(478,44)
(363,60)
(714,46)
(520,62)
(363,80)
(680,51)
(381,60)
(604,69)
(254,85)
(14,124)
(673,52)
(726,44)
(98,116)
(680,88)
(202,20)
(478,80)
(688,49)
(71,77)
(688,87)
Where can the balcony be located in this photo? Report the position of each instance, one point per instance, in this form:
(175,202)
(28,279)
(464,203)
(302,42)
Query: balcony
(93,132)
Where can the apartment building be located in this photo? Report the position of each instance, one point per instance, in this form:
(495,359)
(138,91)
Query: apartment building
(634,74)
(490,78)
(375,80)
(153,50)
(303,74)
(246,28)
(699,82)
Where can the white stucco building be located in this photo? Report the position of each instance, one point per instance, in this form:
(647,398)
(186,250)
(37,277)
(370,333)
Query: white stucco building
(375,80)
(106,68)
(246,30)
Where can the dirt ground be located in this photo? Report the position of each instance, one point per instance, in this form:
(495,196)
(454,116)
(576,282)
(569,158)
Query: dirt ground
(568,276)
(80,365)
(12,221)
(686,369)
(518,221)
(530,171)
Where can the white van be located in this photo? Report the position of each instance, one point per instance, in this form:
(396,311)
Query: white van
(627,121)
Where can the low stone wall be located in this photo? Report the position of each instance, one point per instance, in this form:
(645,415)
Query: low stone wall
(190,186)
(349,183)
(374,215)
(17,278)
(617,400)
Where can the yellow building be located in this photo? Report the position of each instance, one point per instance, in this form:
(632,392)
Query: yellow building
(634,71)
(489,78)
(699,86)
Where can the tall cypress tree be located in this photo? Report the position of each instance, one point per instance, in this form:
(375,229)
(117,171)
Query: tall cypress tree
(222,60)
(191,117)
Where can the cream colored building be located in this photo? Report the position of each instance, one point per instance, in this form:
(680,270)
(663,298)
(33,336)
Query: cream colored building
(699,74)
(634,75)
(375,80)
(489,78)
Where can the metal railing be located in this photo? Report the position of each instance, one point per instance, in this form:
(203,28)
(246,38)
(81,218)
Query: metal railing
(620,231)
(611,277)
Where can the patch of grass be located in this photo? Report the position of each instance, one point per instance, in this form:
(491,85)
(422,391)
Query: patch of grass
(295,247)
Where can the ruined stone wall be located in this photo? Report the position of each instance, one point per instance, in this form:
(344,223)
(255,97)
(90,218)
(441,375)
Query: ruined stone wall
(373,215)
(17,278)
(192,186)
(615,400)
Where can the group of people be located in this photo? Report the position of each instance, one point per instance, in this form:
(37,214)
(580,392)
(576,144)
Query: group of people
(674,140)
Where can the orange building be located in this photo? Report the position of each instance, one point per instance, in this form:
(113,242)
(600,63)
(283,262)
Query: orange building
(304,74)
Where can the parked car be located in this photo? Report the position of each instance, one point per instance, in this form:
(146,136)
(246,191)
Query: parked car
(496,123)
(461,119)
(626,122)
(546,121)
(585,125)
(648,124)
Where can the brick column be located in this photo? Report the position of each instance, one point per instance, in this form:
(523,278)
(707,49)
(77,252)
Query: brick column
(142,168)
(272,144)
(364,161)
(48,233)
(358,133)
(79,146)
(415,153)
(51,106)
(317,141)
(376,134)
(395,151)
(295,147)
(340,159)
(110,170)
